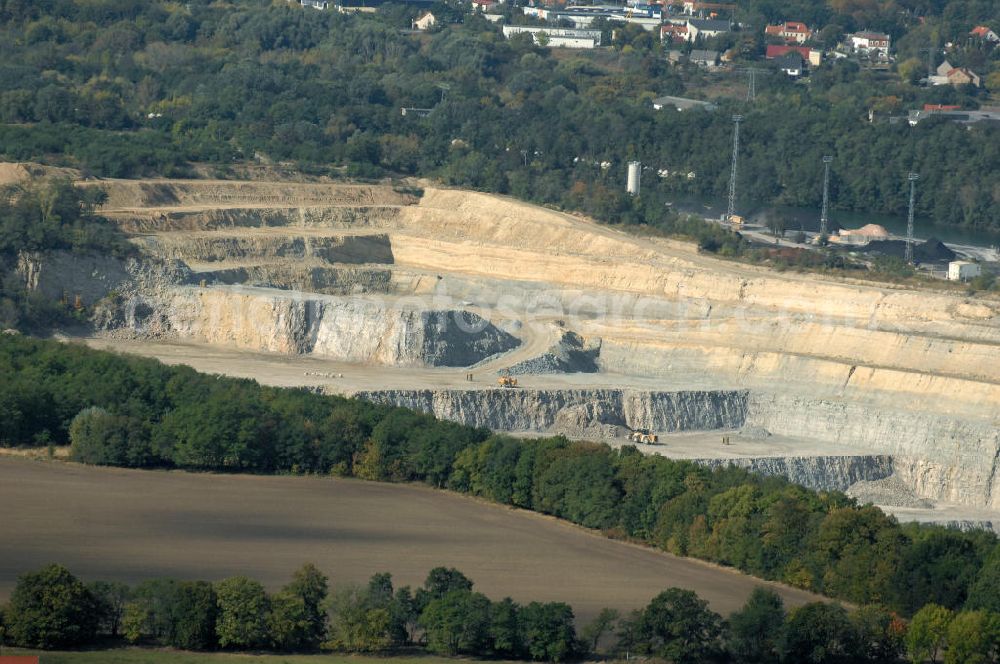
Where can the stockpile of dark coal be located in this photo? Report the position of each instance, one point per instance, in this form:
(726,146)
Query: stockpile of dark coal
(931,251)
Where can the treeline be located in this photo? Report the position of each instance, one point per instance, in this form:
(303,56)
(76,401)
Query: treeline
(128,411)
(125,89)
(51,608)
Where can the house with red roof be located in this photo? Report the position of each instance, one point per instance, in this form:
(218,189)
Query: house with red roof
(793,32)
(678,34)
(810,55)
(984,33)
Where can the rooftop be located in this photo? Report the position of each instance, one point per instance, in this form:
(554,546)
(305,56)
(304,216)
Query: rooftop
(710,24)
(683,103)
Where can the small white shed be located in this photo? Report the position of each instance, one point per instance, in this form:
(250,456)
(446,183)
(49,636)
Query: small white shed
(963,270)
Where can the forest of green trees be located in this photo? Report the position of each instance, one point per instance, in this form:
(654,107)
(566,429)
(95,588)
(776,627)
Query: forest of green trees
(51,608)
(128,411)
(126,88)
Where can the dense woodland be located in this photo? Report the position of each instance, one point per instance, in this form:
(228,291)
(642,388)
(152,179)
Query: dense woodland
(127,411)
(126,88)
(52,608)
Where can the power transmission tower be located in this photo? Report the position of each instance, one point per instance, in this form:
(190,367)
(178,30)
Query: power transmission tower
(824,216)
(912,177)
(731,211)
(752,74)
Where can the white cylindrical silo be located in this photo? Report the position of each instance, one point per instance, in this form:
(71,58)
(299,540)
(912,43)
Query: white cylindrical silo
(634,174)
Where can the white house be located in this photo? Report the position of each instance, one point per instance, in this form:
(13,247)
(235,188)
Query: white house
(707,28)
(870,43)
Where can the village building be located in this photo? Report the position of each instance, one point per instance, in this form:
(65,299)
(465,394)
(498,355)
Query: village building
(792,32)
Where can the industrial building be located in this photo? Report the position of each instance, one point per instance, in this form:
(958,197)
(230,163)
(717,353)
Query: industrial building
(564,37)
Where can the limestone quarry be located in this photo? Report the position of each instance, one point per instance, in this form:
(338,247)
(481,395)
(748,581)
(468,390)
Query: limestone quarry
(424,297)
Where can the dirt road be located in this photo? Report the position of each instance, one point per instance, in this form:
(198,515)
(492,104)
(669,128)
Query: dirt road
(130,525)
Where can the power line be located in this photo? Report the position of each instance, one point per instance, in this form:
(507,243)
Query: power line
(731,212)
(824,216)
(912,177)
(752,74)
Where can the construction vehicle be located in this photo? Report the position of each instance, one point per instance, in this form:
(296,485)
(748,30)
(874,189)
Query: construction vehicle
(507,382)
(644,436)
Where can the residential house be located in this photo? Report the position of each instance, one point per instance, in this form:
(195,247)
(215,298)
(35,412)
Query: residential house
(707,28)
(947,74)
(483,6)
(984,33)
(870,43)
(315,4)
(792,63)
(792,32)
(704,58)
(941,107)
(811,55)
(425,21)
(962,76)
(682,104)
(940,76)
(676,34)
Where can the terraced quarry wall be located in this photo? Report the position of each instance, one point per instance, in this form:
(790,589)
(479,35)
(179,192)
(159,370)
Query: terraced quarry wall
(378,278)
(540,410)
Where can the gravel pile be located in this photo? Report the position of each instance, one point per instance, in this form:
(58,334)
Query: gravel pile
(890,492)
(590,420)
(570,355)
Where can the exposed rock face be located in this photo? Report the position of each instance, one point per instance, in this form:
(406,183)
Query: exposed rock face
(826,473)
(346,329)
(327,280)
(542,410)
(940,457)
(250,217)
(207,249)
(59,273)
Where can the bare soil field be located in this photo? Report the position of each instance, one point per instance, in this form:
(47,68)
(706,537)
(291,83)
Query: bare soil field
(130,525)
